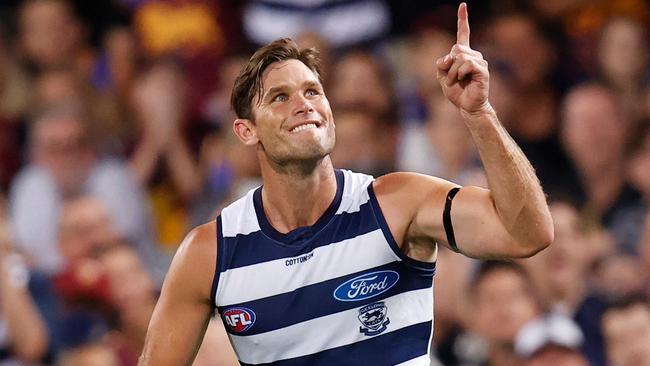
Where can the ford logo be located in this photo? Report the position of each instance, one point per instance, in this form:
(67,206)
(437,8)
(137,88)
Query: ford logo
(366,286)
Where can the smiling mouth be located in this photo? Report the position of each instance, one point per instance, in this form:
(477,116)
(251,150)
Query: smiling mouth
(306,126)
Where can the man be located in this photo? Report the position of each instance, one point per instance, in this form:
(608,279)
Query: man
(64,164)
(626,330)
(551,339)
(500,292)
(321,266)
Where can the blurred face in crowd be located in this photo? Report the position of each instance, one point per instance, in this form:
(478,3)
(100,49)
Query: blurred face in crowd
(556,356)
(429,45)
(557,269)
(621,275)
(58,86)
(293,120)
(355,148)
(85,226)
(448,134)
(49,31)
(519,44)
(130,282)
(503,304)
(592,119)
(60,146)
(627,335)
(622,39)
(357,82)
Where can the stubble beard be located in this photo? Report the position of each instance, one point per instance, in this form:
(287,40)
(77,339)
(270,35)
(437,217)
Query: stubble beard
(301,161)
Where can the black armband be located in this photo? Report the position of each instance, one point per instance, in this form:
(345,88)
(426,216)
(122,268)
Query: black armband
(446,219)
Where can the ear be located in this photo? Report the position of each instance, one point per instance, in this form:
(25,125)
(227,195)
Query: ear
(245,130)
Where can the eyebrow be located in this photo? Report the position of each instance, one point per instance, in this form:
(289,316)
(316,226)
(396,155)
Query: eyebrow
(283,87)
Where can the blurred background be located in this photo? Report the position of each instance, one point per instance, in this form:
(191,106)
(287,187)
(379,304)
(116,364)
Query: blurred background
(115,141)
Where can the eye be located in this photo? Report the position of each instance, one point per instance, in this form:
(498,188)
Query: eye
(312,92)
(280,98)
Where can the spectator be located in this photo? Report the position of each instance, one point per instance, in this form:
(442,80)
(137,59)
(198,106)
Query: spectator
(360,81)
(342,24)
(626,327)
(51,35)
(64,165)
(561,275)
(501,294)
(550,340)
(595,133)
(15,89)
(441,147)
(133,295)
(620,276)
(23,333)
(624,39)
(417,90)
(162,160)
(358,143)
(524,60)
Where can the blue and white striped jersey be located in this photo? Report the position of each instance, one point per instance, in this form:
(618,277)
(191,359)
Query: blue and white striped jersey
(339,292)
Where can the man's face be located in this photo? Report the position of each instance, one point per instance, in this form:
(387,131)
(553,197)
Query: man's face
(503,298)
(59,148)
(49,32)
(591,119)
(627,336)
(293,120)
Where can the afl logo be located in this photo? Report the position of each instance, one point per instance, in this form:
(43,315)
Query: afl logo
(366,286)
(239,320)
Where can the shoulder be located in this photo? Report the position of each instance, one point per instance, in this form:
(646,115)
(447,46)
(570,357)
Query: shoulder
(199,244)
(406,185)
(32,176)
(32,184)
(194,263)
(403,197)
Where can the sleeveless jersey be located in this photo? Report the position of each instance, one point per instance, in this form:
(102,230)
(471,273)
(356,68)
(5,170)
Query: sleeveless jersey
(340,292)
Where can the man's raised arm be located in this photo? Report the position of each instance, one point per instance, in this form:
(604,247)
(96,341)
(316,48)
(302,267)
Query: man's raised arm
(511,219)
(183,310)
(515,194)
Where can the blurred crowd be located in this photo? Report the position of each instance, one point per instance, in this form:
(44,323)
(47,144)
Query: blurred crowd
(115,140)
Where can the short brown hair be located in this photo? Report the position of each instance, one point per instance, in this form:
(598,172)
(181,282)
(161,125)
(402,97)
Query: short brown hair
(249,80)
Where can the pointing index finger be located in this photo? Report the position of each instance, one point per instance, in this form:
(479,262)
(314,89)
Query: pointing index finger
(462,36)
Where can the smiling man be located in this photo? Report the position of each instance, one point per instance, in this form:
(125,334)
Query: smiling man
(321,266)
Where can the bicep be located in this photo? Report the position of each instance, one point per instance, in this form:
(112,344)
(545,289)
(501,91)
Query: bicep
(183,310)
(477,228)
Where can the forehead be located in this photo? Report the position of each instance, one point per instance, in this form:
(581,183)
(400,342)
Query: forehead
(289,72)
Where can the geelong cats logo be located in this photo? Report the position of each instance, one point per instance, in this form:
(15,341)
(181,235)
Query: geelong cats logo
(366,286)
(373,318)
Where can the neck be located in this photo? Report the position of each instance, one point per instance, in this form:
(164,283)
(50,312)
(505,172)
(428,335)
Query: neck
(295,196)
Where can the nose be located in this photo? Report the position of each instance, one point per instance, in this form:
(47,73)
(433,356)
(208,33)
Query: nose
(303,106)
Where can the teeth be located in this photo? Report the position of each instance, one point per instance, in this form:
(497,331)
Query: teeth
(303,127)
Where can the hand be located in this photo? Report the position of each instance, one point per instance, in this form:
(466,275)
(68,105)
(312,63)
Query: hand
(463,73)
